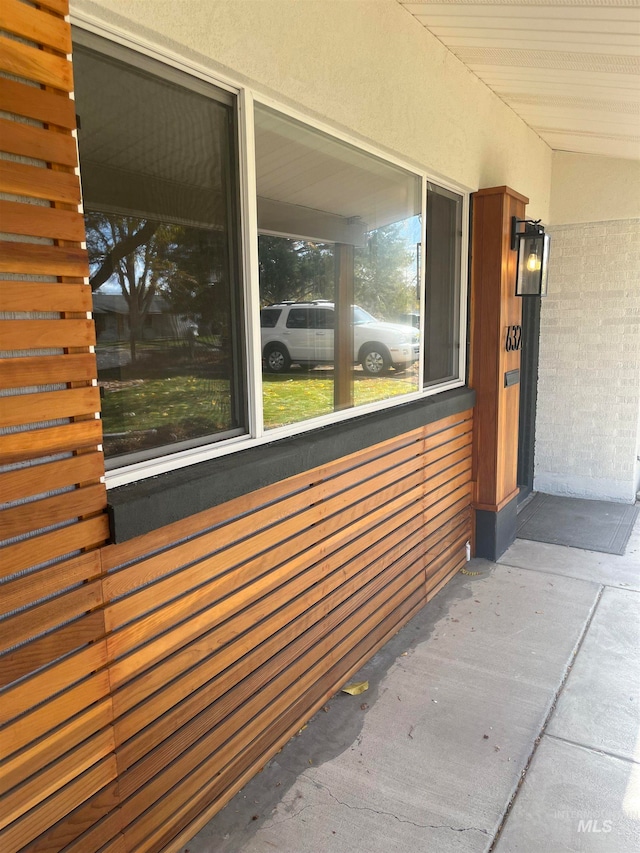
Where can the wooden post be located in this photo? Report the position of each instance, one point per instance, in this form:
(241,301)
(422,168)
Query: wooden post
(343,334)
(496,320)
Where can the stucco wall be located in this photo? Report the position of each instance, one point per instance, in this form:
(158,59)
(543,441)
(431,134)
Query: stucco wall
(587,188)
(589,382)
(363,65)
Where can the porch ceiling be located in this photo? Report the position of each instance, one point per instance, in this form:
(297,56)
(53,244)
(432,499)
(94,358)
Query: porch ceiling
(569,68)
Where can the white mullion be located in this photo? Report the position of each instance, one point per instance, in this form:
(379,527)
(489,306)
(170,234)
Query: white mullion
(251,273)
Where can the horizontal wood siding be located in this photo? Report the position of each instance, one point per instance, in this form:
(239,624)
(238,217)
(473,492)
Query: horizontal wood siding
(221,636)
(224,644)
(142,684)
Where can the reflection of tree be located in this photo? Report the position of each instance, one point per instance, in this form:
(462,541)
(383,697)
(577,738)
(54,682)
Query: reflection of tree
(381,270)
(111,256)
(299,270)
(186,266)
(294,270)
(195,280)
(130,250)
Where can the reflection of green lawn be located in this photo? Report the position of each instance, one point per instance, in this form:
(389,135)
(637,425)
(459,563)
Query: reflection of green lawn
(156,403)
(203,405)
(292,397)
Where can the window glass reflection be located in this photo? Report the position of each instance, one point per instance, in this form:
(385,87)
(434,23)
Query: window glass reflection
(339,230)
(159,178)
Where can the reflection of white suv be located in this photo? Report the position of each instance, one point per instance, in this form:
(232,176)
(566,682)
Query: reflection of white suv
(302,332)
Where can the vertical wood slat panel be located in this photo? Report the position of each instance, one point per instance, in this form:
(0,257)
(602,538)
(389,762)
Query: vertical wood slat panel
(25,140)
(33,259)
(37,221)
(33,64)
(56,712)
(35,182)
(49,296)
(32,408)
(50,107)
(31,24)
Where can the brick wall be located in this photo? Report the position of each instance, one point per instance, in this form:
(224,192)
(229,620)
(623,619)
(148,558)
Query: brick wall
(587,428)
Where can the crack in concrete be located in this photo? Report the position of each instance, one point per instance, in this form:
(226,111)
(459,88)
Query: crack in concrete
(382,813)
(290,817)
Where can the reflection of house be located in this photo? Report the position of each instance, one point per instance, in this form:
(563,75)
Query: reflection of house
(158,652)
(111,314)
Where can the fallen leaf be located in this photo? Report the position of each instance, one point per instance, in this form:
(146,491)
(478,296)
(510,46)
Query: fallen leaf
(326,709)
(356,689)
(364,706)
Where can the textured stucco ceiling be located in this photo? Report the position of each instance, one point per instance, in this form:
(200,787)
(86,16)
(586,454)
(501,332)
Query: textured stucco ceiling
(569,68)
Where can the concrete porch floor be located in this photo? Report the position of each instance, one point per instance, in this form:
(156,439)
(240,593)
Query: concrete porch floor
(504,717)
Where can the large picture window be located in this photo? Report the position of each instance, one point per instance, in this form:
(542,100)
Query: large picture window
(159,188)
(355,259)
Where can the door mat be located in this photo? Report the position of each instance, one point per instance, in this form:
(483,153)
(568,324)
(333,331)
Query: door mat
(591,525)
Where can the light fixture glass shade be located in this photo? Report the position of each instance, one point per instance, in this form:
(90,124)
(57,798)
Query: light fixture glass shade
(533,257)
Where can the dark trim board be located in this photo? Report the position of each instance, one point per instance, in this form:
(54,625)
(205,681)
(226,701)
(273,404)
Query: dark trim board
(496,531)
(141,507)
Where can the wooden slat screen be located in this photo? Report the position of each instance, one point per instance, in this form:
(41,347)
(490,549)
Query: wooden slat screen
(223,644)
(222,635)
(57,740)
(142,684)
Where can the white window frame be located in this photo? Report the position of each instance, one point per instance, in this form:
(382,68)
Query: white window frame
(246,98)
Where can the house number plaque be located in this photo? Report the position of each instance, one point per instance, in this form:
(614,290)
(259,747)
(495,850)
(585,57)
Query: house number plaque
(513,340)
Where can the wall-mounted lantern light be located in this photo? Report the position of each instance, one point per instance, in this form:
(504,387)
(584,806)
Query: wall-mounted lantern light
(533,256)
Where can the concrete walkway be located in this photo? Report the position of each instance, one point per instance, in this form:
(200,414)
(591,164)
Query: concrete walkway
(505,717)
